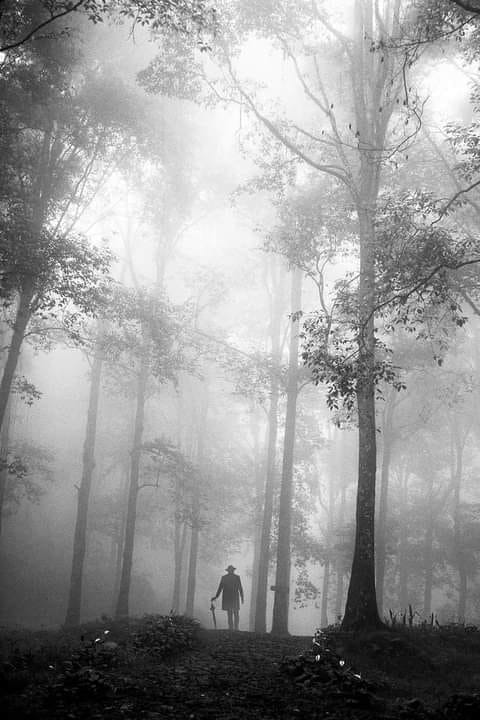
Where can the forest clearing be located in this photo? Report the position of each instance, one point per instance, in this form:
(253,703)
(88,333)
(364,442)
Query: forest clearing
(240,358)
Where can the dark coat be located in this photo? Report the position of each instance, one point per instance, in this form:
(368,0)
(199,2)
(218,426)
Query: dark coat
(231,587)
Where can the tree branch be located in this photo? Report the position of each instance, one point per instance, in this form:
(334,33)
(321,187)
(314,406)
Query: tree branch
(454,198)
(467,6)
(45,23)
(405,294)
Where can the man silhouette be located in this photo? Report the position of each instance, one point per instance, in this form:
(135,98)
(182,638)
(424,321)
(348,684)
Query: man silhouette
(232,592)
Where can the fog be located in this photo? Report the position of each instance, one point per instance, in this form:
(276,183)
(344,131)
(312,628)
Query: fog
(246,250)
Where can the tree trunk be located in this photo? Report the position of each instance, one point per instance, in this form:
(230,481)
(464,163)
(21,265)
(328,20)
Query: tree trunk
(131,515)
(120,536)
(194,538)
(264,550)
(329,548)
(428,553)
(257,529)
(4,442)
(80,536)
(192,562)
(282,580)
(339,562)
(459,550)
(179,542)
(325,589)
(21,321)
(381,550)
(272,430)
(361,607)
(403,553)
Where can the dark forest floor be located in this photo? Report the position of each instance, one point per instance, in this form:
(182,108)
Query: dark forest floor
(151,670)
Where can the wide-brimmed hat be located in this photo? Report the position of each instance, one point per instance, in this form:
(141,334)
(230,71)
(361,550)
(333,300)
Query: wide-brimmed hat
(230,567)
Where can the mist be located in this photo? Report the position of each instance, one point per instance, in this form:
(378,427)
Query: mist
(240,314)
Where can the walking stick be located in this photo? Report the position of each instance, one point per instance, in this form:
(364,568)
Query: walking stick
(212,610)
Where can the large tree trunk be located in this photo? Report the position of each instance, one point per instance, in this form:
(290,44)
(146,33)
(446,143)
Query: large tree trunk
(361,607)
(22,318)
(272,430)
(131,515)
(381,550)
(80,536)
(281,601)
(373,78)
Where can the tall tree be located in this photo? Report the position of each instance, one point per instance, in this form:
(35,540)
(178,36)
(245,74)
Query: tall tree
(80,534)
(276,309)
(281,601)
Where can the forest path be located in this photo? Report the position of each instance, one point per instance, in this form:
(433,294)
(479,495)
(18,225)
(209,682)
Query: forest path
(228,676)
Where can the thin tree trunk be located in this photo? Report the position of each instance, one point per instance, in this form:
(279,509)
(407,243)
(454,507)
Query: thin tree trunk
(180,542)
(339,562)
(194,538)
(192,562)
(72,617)
(21,321)
(459,551)
(281,601)
(428,552)
(328,544)
(403,552)
(264,555)
(131,515)
(257,529)
(270,476)
(177,559)
(120,537)
(325,590)
(4,442)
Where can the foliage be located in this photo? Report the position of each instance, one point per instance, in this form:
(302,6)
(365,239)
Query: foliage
(160,636)
(29,468)
(144,326)
(26,21)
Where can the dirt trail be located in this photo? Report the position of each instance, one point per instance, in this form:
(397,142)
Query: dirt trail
(227,676)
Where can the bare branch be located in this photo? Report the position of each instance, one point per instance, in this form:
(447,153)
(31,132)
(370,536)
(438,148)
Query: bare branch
(454,198)
(334,170)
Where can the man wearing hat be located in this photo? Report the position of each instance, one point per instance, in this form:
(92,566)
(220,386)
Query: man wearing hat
(232,592)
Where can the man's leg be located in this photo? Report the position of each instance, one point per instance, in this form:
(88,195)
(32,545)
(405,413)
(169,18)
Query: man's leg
(230,619)
(235,617)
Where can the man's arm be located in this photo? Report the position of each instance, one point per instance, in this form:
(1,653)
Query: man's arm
(220,588)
